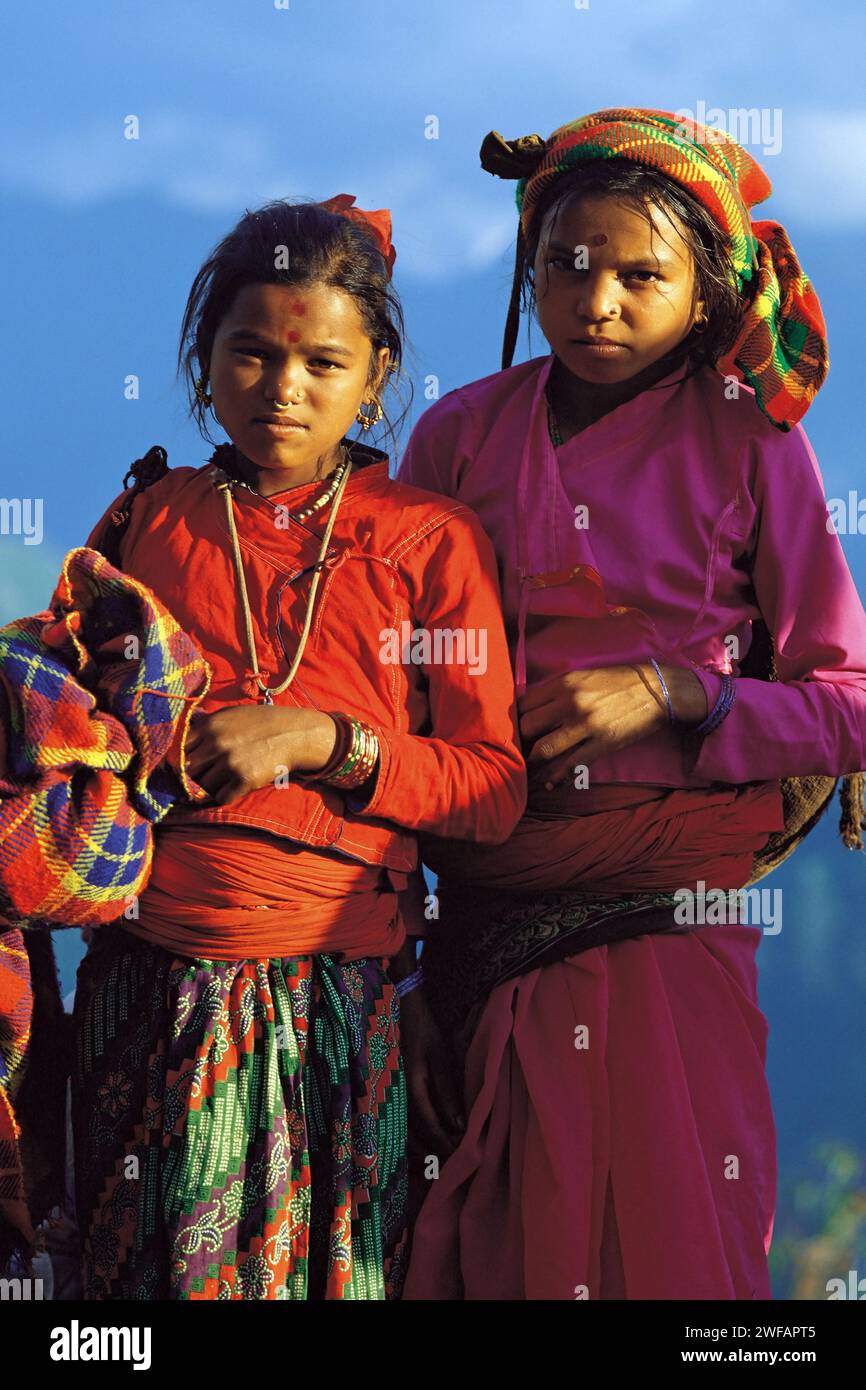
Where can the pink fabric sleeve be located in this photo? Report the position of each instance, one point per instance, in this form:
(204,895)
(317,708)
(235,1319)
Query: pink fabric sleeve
(437,444)
(813,720)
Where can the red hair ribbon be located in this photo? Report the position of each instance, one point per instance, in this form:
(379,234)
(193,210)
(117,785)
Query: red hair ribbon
(377,223)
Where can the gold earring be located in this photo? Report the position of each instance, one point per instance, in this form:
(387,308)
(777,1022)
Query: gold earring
(367,421)
(700,325)
(200,394)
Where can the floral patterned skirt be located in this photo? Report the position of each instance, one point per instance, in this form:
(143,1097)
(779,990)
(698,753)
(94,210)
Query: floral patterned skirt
(240,1127)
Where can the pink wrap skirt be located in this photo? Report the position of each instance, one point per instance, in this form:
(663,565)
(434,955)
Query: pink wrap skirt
(620,1141)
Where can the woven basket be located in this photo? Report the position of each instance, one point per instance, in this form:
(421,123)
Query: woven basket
(805,799)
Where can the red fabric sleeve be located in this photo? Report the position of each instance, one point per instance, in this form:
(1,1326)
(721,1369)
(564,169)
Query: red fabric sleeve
(467,780)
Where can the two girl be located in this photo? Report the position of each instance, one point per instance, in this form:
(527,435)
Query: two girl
(239,1090)
(650,496)
(239,1100)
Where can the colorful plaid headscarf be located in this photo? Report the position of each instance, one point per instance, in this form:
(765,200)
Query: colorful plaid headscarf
(781,350)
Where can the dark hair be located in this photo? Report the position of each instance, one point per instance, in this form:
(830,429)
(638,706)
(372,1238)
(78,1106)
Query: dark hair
(710,246)
(321,247)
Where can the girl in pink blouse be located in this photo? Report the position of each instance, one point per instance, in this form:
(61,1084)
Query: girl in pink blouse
(649,494)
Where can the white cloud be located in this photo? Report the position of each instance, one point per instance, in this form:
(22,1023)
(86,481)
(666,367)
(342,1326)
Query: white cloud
(823,178)
(277,104)
(225,165)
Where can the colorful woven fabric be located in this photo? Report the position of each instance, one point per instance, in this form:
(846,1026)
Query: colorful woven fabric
(98,694)
(781,351)
(16,1009)
(240,1128)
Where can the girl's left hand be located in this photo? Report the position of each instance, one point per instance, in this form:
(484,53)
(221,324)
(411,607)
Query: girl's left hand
(243,747)
(583,715)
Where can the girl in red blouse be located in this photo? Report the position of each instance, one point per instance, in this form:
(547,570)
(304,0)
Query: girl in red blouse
(239,1096)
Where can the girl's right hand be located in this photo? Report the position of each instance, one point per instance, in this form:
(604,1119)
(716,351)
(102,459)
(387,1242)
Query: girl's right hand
(436,1121)
(240,748)
(587,714)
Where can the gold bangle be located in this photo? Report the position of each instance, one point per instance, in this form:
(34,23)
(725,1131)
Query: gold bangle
(360,761)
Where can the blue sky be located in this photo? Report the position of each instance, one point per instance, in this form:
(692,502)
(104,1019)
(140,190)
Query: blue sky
(241,102)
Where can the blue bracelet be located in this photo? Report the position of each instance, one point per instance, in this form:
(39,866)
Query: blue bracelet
(410,982)
(721,708)
(658,670)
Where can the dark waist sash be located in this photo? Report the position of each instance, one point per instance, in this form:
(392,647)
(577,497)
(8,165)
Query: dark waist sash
(462,967)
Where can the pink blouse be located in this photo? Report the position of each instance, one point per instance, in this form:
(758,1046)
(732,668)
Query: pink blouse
(661,531)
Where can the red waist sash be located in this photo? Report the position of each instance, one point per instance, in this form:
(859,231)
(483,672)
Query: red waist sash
(224,892)
(616,838)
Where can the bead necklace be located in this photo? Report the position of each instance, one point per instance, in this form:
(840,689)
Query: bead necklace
(322,501)
(552,427)
(226,484)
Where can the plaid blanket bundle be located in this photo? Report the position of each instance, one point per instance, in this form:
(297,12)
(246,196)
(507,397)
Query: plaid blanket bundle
(95,701)
(99,694)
